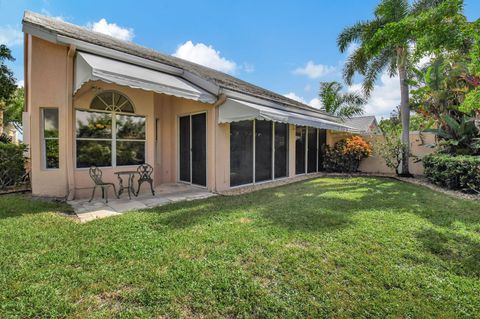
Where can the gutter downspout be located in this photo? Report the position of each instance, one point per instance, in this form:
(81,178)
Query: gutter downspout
(69,140)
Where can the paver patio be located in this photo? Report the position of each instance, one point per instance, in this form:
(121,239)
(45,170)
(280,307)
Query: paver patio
(164,194)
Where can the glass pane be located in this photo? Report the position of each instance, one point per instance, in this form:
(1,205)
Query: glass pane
(241,153)
(51,154)
(300,149)
(263,151)
(322,142)
(312,150)
(199,149)
(103,101)
(98,104)
(130,127)
(50,122)
(98,153)
(281,150)
(184,149)
(94,124)
(127,107)
(130,153)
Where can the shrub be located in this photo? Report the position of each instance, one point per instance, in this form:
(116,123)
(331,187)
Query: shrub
(346,154)
(391,150)
(12,164)
(453,172)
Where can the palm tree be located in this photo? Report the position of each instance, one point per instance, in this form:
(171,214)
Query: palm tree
(335,102)
(372,57)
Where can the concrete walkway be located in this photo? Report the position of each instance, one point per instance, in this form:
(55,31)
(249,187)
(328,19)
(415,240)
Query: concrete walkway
(164,194)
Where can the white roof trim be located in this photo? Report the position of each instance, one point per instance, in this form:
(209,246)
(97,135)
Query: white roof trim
(89,67)
(235,110)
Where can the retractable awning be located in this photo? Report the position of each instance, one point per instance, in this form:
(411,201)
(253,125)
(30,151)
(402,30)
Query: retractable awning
(89,67)
(235,110)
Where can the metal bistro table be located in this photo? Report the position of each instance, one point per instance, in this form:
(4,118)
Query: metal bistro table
(129,187)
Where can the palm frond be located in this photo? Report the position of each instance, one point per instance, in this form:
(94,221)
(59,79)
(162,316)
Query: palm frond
(375,67)
(357,62)
(350,35)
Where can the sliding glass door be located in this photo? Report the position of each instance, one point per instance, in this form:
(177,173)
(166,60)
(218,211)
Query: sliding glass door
(258,151)
(193,149)
(263,151)
(322,144)
(281,150)
(241,153)
(312,150)
(300,149)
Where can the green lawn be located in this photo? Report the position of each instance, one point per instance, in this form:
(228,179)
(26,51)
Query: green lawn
(329,247)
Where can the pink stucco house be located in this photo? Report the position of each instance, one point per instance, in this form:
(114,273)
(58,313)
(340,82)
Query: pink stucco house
(95,100)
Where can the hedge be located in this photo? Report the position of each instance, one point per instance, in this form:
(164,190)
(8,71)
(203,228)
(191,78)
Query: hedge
(453,172)
(12,165)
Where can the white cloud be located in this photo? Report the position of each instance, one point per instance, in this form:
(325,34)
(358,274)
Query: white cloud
(295,97)
(314,71)
(11,36)
(248,67)
(21,83)
(205,55)
(47,13)
(112,29)
(384,98)
(315,102)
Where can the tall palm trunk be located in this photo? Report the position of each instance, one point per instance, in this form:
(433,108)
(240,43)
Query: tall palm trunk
(404,110)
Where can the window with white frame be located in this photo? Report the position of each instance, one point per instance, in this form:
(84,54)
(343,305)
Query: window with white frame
(109,134)
(50,145)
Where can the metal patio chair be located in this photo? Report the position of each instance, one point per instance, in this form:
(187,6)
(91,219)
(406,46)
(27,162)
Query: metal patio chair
(145,175)
(96,175)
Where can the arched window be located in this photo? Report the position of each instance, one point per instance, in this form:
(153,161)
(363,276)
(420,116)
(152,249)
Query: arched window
(107,135)
(112,101)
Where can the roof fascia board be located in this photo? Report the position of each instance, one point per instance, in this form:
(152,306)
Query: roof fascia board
(268,103)
(39,32)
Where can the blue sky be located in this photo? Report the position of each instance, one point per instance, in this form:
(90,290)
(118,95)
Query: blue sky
(284,46)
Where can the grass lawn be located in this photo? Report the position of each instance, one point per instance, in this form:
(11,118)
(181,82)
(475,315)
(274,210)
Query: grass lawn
(329,247)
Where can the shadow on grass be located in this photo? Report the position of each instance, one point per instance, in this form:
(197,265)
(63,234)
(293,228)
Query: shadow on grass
(461,253)
(12,206)
(324,204)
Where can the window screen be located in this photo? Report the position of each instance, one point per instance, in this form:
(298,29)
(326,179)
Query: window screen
(241,153)
(312,150)
(322,142)
(281,150)
(199,149)
(300,140)
(263,151)
(184,156)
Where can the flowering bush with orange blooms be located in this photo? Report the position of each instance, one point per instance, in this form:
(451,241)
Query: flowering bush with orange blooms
(346,154)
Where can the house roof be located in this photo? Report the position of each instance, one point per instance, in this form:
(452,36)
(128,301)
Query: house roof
(367,124)
(55,27)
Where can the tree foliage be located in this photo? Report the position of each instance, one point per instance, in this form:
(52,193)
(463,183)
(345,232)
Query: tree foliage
(7,80)
(13,109)
(342,104)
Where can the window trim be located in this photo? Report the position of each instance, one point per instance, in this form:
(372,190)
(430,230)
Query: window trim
(113,139)
(43,139)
